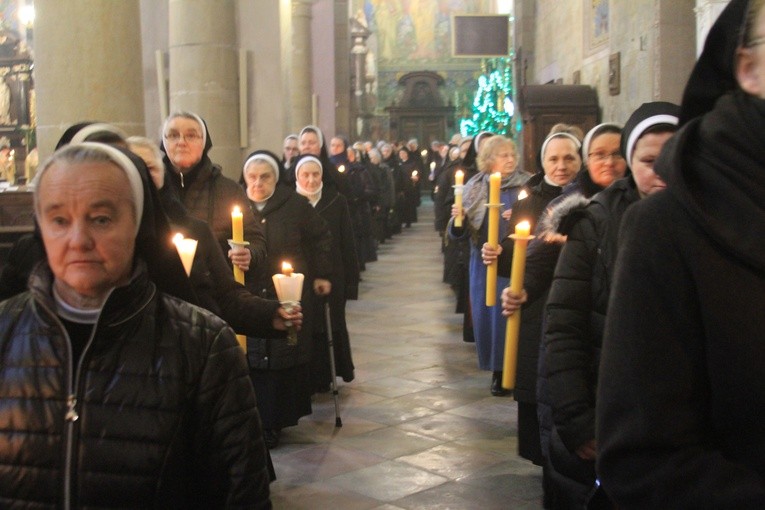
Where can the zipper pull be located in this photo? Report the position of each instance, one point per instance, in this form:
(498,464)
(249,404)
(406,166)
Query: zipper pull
(71,413)
(182,184)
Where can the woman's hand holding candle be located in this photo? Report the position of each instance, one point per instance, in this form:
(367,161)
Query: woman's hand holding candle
(490,253)
(284,319)
(241,257)
(512,301)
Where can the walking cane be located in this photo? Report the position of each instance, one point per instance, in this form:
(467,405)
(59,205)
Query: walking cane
(338,421)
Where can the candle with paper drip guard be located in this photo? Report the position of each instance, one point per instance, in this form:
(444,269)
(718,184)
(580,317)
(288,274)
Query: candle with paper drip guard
(186,249)
(517,271)
(493,236)
(459,180)
(237,240)
(289,290)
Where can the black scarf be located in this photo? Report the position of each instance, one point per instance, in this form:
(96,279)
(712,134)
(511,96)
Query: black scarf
(716,168)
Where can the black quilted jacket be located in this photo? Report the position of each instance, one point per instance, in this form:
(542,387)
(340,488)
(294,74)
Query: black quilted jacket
(159,411)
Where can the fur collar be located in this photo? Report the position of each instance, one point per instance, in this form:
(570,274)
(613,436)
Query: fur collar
(553,216)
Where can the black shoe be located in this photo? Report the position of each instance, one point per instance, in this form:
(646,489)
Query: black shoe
(496,385)
(271,437)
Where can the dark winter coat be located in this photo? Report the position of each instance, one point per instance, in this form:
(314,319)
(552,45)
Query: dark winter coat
(158,413)
(680,402)
(344,278)
(576,308)
(295,233)
(210,196)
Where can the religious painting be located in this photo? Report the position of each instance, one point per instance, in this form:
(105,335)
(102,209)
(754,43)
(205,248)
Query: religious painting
(411,32)
(596,25)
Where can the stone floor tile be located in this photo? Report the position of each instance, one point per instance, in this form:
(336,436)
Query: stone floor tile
(452,460)
(389,442)
(388,481)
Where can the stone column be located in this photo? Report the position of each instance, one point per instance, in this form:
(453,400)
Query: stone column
(300,82)
(87,66)
(707,12)
(203,74)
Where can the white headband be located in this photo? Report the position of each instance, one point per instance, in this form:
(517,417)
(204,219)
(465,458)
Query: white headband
(644,124)
(116,157)
(306,159)
(590,134)
(98,127)
(266,159)
(185,115)
(313,129)
(577,143)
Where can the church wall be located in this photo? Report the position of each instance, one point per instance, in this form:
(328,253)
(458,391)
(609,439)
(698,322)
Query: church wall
(654,40)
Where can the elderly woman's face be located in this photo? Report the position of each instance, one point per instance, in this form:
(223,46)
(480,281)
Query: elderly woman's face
(604,161)
(504,159)
(291,149)
(309,176)
(261,181)
(184,143)
(561,161)
(88,227)
(309,144)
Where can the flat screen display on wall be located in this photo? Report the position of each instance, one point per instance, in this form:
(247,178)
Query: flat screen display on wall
(480,36)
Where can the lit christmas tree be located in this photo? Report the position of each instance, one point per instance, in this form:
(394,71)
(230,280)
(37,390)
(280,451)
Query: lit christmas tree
(493,106)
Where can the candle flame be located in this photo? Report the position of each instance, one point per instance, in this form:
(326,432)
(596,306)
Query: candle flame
(522,194)
(414,174)
(459,173)
(177,238)
(424,152)
(287,269)
(523,225)
(432,165)
(341,168)
(236,210)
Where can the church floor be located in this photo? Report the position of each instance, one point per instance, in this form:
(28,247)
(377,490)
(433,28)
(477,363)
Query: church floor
(420,428)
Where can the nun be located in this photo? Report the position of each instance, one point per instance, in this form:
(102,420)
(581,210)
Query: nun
(297,234)
(331,206)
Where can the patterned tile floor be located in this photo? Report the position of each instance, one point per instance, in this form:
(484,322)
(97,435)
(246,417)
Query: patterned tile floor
(420,429)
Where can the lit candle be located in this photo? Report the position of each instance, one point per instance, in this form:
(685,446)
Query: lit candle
(493,237)
(517,270)
(459,179)
(432,165)
(289,289)
(414,174)
(237,225)
(237,236)
(341,168)
(186,250)
(424,152)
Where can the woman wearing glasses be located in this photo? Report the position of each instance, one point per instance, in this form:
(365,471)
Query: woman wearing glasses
(204,190)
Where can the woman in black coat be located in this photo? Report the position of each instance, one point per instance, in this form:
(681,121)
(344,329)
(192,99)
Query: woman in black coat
(296,234)
(576,308)
(332,206)
(560,163)
(680,399)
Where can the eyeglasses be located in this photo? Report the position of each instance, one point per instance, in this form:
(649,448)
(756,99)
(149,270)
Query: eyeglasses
(188,137)
(602,156)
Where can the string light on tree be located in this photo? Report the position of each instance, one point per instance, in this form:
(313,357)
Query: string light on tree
(493,107)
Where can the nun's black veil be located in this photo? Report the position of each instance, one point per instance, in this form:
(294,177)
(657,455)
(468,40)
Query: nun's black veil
(153,242)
